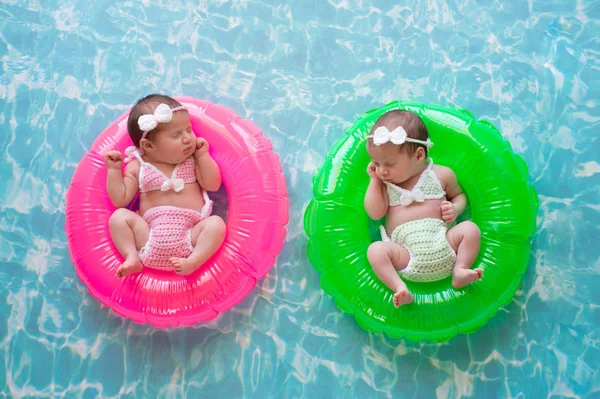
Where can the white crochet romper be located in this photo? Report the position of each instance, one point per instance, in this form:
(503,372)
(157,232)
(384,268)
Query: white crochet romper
(431,256)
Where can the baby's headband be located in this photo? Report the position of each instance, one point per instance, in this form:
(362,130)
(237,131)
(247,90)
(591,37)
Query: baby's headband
(163,113)
(397,136)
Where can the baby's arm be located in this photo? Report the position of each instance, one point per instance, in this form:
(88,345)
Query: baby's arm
(376,200)
(121,189)
(457,199)
(207,171)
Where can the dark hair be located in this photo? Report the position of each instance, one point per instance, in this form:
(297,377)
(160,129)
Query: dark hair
(146,105)
(411,122)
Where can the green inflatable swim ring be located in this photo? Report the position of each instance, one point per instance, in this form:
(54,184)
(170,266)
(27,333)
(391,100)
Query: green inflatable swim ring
(501,202)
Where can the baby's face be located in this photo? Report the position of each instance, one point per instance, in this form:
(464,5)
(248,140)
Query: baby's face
(175,141)
(392,165)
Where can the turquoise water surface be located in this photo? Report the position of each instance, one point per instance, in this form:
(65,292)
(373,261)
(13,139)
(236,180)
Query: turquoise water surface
(303,71)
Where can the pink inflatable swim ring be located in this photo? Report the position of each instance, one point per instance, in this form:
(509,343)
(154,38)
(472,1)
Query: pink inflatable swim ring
(257,215)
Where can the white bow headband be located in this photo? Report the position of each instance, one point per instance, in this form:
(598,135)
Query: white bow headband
(397,136)
(163,113)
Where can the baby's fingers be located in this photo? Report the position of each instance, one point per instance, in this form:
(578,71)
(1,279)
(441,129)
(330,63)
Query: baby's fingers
(114,155)
(447,216)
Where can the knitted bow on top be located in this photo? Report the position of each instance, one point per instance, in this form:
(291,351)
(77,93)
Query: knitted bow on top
(397,136)
(163,114)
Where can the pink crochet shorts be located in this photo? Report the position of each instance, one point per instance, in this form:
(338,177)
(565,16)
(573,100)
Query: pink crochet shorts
(170,235)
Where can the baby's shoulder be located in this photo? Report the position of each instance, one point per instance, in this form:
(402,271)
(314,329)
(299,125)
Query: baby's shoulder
(444,174)
(133,167)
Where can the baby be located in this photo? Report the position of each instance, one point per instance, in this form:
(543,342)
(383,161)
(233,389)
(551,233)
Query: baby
(175,230)
(419,199)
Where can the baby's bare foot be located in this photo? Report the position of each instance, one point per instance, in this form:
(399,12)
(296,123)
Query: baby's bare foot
(132,264)
(183,266)
(402,296)
(462,277)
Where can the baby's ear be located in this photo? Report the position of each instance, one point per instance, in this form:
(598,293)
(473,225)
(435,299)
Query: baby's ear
(146,145)
(420,153)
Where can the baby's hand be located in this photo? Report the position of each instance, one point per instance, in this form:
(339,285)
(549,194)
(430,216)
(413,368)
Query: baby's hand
(201,147)
(113,160)
(371,171)
(448,214)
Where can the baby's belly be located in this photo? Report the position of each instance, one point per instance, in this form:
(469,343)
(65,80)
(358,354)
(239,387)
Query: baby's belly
(398,215)
(190,197)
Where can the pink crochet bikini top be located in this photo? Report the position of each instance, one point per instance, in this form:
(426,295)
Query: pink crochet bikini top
(151,178)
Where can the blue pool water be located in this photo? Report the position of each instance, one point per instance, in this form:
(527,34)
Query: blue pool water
(302,71)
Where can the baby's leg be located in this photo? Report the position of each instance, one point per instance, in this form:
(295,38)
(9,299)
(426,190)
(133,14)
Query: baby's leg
(207,237)
(129,231)
(386,259)
(465,239)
